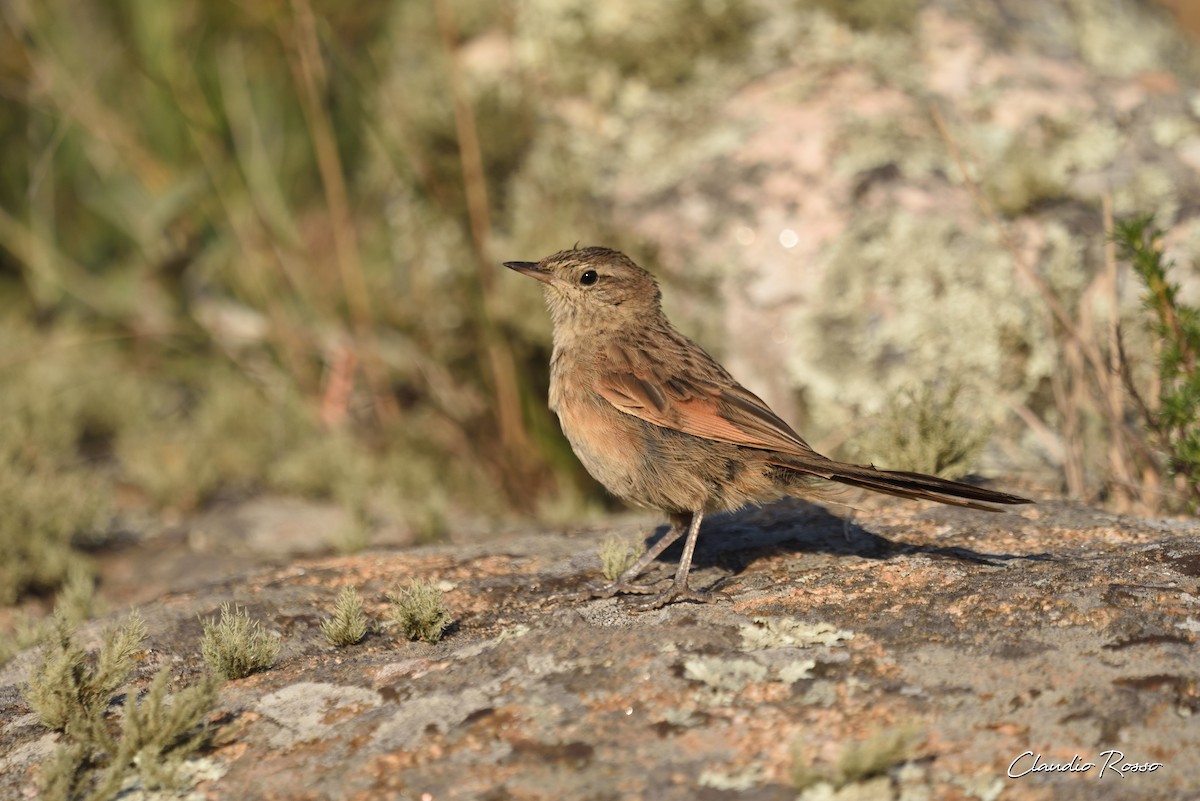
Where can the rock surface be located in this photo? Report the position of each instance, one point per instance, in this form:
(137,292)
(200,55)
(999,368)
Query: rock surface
(973,638)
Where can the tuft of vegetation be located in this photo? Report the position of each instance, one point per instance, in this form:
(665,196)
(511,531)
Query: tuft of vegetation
(618,555)
(420,611)
(347,625)
(70,691)
(73,692)
(1173,416)
(159,733)
(859,760)
(161,729)
(234,646)
(925,430)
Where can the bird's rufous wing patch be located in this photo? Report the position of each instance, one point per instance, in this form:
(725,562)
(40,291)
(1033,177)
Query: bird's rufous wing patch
(728,413)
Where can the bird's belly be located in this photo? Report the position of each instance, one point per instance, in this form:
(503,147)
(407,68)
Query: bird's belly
(650,466)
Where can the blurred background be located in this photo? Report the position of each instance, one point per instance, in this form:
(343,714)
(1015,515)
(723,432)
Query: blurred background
(251,249)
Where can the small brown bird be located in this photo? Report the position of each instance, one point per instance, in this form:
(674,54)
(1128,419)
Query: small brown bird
(660,424)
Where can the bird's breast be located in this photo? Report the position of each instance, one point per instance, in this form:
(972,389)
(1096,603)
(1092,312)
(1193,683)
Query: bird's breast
(608,444)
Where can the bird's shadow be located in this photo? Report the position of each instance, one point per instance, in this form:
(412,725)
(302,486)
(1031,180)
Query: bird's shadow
(734,540)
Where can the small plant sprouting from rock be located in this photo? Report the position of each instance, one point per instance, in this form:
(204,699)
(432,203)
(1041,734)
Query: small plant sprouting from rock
(162,729)
(72,692)
(420,611)
(347,625)
(859,761)
(1173,418)
(234,646)
(158,734)
(617,555)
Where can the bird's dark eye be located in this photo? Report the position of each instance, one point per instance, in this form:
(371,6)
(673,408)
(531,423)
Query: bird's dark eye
(589,277)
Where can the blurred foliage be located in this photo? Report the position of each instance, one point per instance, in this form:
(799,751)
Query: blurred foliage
(926,429)
(1173,417)
(241,248)
(873,14)
(661,44)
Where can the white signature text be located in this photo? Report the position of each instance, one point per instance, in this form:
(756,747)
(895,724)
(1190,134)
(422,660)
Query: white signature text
(1112,762)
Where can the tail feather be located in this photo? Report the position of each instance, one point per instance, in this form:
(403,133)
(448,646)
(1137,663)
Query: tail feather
(908,485)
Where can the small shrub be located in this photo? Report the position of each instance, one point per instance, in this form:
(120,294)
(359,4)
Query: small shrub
(234,646)
(348,624)
(617,555)
(420,611)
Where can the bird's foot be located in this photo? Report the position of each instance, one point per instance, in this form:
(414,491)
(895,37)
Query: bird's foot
(680,592)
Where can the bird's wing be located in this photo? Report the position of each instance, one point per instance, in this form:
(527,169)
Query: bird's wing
(713,407)
(702,399)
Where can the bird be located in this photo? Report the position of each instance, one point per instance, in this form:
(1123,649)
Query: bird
(661,424)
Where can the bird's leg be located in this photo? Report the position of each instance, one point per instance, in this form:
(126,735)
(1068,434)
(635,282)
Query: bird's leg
(622,583)
(679,590)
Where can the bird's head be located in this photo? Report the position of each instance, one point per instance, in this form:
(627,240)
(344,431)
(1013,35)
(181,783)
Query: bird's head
(593,287)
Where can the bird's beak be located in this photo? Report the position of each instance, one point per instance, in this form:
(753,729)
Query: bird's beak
(530,268)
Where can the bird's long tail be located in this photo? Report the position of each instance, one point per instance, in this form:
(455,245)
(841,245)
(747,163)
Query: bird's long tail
(904,484)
